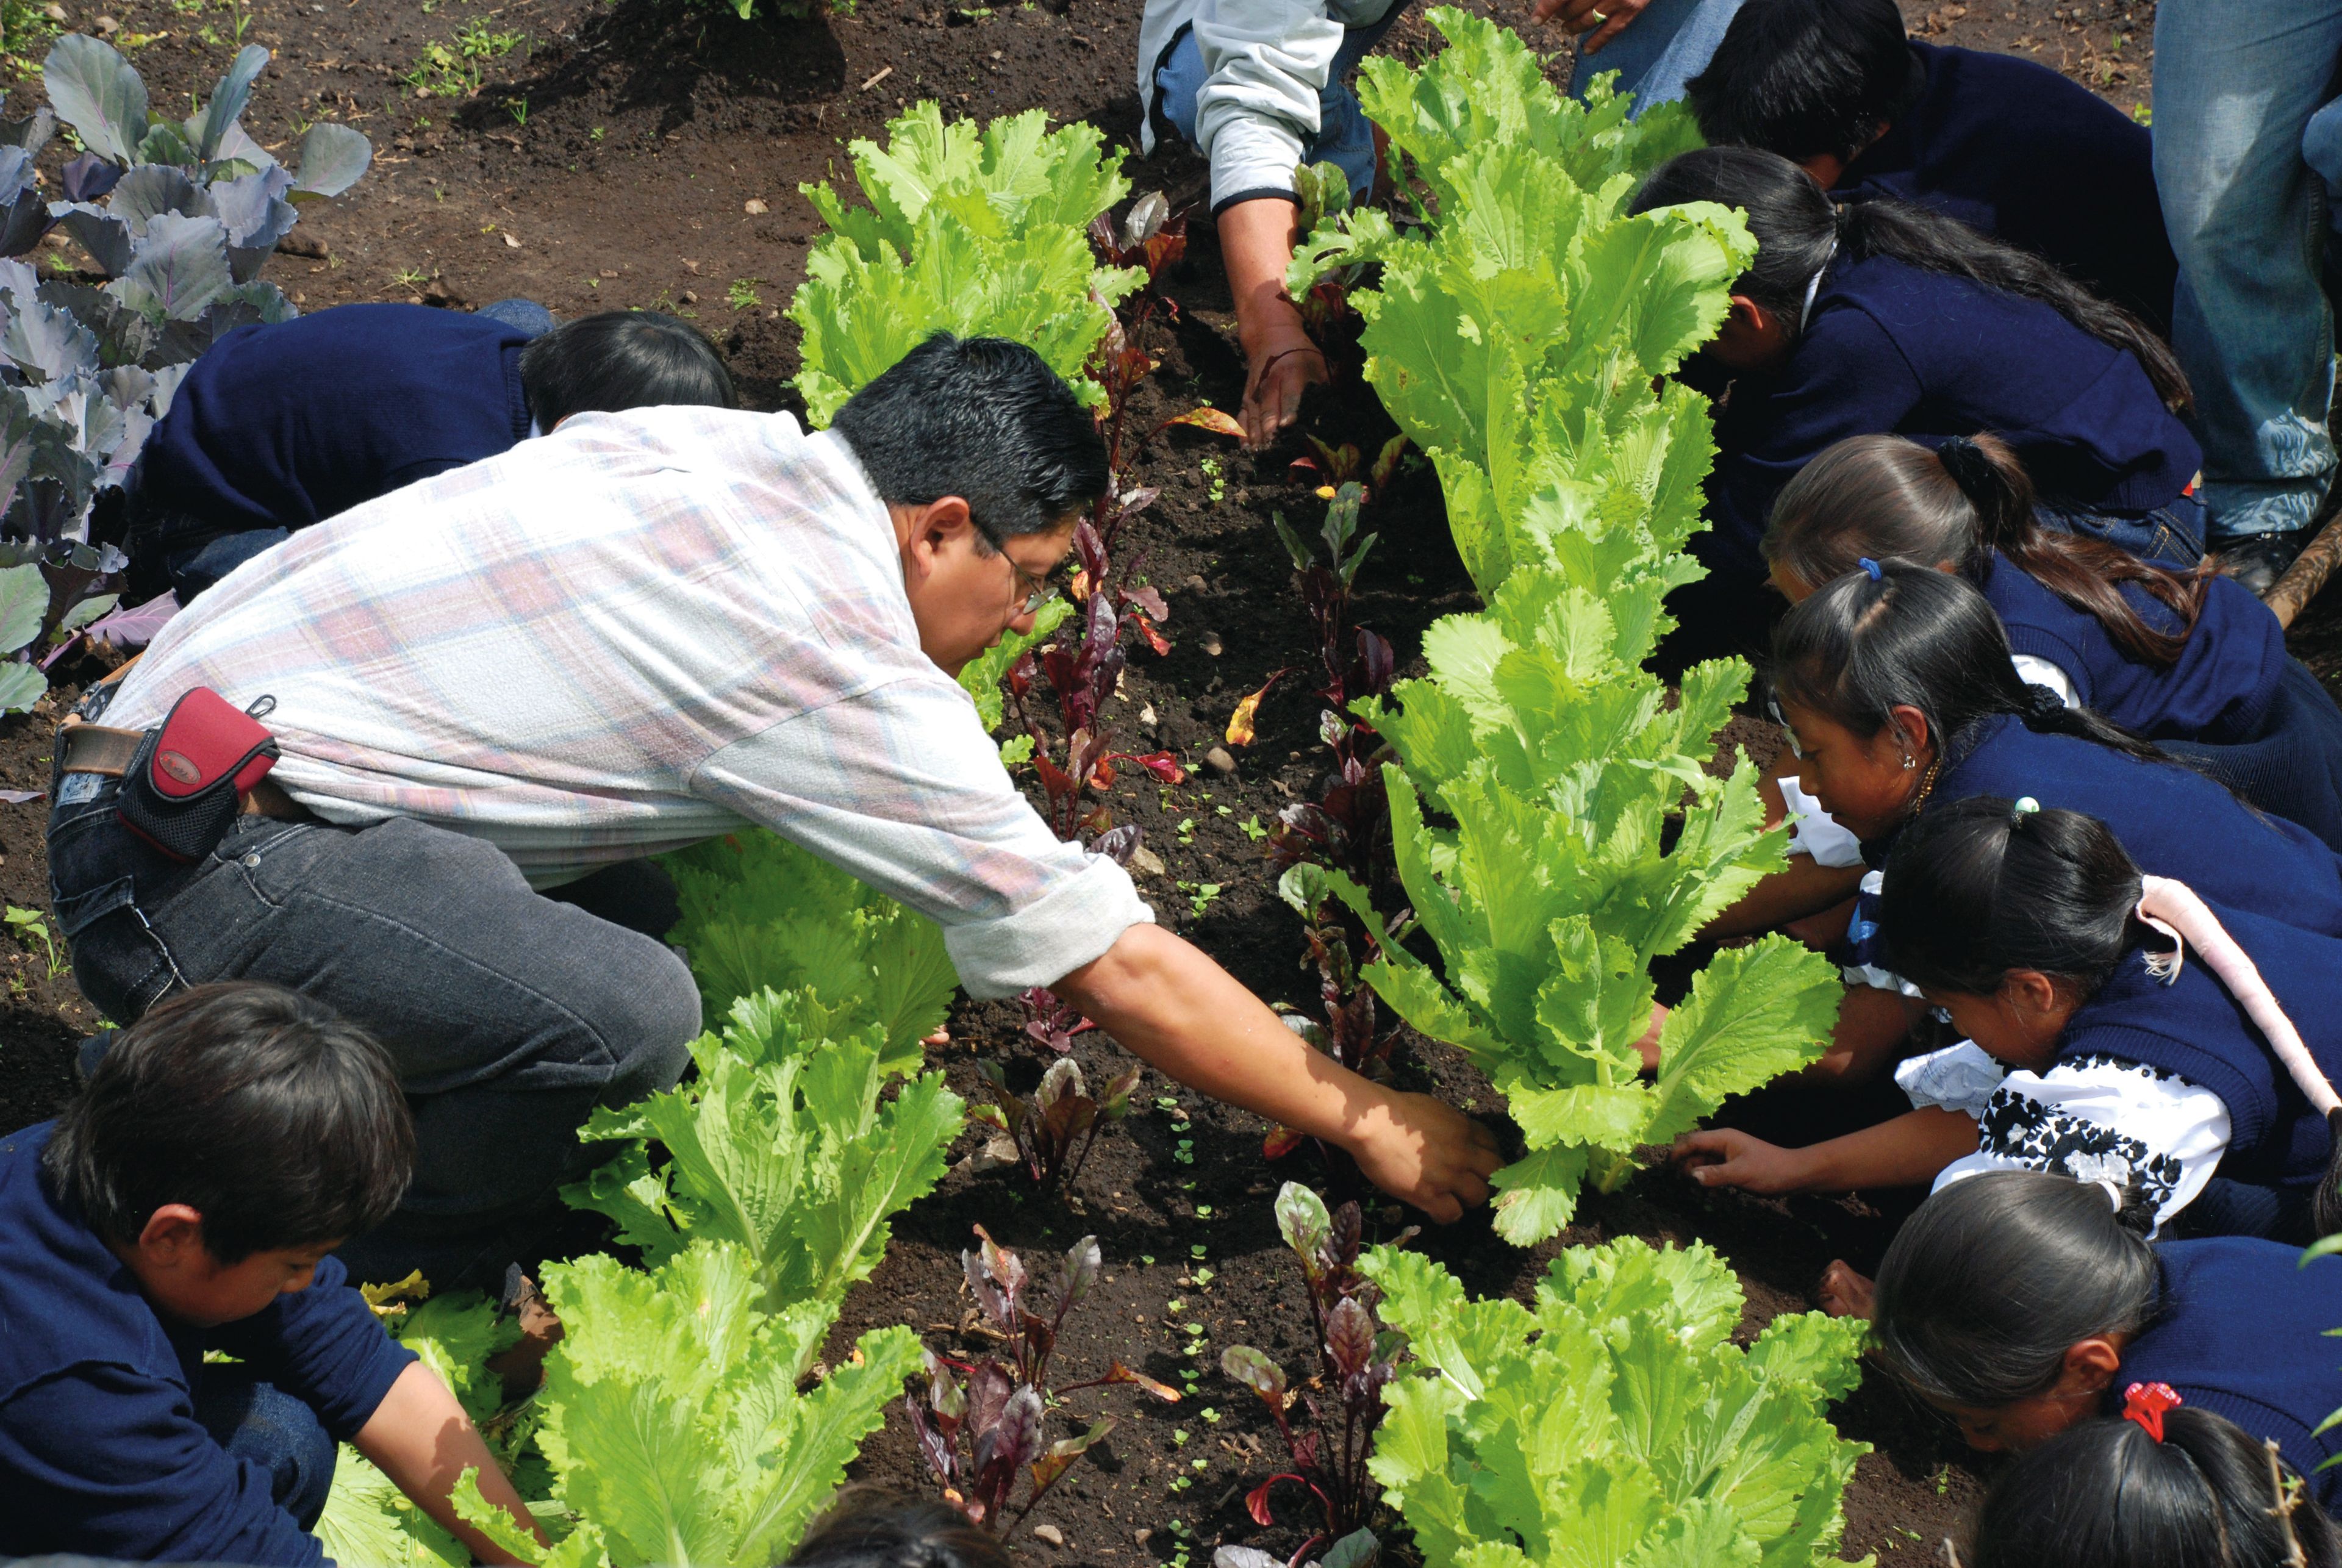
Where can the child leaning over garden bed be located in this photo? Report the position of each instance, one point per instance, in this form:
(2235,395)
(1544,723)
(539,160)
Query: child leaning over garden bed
(184,1203)
(2021,1304)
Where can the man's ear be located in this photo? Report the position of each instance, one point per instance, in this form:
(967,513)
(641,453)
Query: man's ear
(173,1233)
(930,528)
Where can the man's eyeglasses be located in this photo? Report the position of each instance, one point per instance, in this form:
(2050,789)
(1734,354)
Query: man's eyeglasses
(1773,706)
(1035,591)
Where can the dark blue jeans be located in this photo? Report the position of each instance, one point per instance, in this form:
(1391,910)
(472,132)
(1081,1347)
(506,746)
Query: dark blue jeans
(274,1430)
(511,1014)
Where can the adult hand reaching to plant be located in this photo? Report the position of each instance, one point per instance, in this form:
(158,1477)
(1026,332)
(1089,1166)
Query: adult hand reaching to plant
(1605,19)
(1173,1007)
(1427,1153)
(1279,374)
(1257,239)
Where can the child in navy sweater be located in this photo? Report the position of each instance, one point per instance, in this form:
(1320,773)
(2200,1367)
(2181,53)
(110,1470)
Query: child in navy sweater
(1899,696)
(2195,663)
(1887,317)
(2161,1484)
(187,1202)
(2115,1024)
(2005,145)
(2023,1304)
(285,425)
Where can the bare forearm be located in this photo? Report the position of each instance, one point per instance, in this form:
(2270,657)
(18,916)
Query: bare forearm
(1179,1011)
(421,1439)
(1257,240)
(1910,1151)
(1805,887)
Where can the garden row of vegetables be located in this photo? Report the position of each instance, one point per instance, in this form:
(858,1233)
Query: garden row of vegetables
(1517,335)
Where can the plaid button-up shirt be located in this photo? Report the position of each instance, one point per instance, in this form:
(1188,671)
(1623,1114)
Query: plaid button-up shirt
(629,635)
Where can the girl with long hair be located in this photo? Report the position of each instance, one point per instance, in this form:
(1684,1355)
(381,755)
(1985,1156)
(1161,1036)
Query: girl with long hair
(1884,317)
(1896,687)
(2192,661)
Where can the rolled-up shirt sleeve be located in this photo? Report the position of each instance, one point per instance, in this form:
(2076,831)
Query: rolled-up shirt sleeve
(1264,63)
(899,785)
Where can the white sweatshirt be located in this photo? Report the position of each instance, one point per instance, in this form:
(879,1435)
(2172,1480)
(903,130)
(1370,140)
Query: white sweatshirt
(1266,61)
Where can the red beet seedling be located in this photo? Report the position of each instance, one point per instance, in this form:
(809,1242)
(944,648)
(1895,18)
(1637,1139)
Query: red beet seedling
(1356,1357)
(1054,1129)
(982,1424)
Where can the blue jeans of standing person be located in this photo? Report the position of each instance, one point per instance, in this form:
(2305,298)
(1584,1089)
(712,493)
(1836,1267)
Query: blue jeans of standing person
(1666,46)
(509,1013)
(275,1432)
(1344,138)
(2236,83)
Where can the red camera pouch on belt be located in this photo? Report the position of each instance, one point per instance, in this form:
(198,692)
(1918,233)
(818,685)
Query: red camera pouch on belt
(186,785)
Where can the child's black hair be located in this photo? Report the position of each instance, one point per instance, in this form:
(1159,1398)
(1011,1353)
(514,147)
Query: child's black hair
(1974,891)
(621,359)
(870,1527)
(1808,78)
(1859,648)
(1995,1277)
(1887,496)
(2107,1494)
(1797,231)
(278,1120)
(983,419)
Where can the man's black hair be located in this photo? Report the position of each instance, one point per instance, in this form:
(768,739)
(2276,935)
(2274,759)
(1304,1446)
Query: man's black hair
(1806,77)
(621,359)
(983,419)
(278,1119)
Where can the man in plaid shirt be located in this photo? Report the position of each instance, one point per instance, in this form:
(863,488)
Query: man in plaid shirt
(498,690)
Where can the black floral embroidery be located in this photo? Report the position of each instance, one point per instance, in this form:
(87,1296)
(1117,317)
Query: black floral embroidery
(2027,1133)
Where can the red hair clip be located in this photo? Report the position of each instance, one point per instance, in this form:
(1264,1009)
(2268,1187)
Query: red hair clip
(2145,1402)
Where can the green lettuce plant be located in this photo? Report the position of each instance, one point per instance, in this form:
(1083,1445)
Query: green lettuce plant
(1612,1419)
(779,1145)
(758,912)
(972,231)
(1553,820)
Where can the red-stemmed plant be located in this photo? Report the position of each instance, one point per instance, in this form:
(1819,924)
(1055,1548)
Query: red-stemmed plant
(981,1423)
(1356,1356)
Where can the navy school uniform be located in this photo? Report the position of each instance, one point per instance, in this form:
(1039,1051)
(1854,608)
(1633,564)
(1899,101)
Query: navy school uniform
(102,1453)
(2012,148)
(1891,348)
(2235,704)
(2239,1329)
(2194,1028)
(2172,821)
(285,425)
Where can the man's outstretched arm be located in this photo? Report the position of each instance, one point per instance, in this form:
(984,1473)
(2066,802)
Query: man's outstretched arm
(1179,1011)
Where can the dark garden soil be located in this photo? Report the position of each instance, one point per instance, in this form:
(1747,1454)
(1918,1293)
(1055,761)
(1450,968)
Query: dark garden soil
(645,152)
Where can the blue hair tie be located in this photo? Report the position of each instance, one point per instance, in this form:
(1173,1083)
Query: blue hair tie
(1877,572)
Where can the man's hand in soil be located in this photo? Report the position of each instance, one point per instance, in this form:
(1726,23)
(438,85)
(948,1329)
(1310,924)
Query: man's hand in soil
(1605,19)
(1174,1008)
(1845,1294)
(1257,239)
